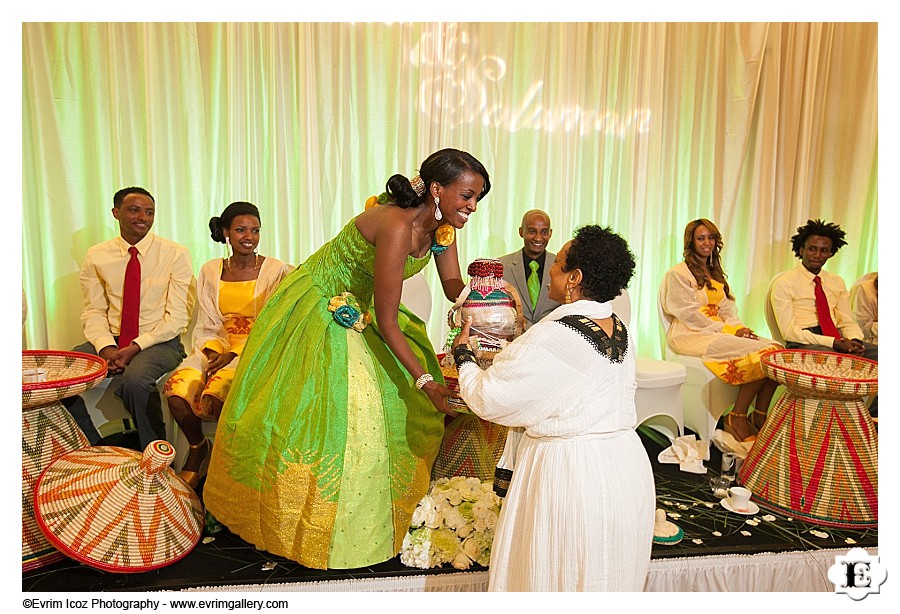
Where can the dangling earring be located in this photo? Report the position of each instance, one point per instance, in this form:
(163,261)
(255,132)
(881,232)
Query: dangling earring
(568,295)
(437,209)
(227,256)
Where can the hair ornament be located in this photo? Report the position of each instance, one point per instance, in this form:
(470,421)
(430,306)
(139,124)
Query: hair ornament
(417,184)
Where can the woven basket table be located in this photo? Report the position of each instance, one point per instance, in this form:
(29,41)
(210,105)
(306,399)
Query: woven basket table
(470,446)
(816,457)
(49,431)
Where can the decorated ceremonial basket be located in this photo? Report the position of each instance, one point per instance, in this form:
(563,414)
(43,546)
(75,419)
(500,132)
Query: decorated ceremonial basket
(495,321)
(451,381)
(471,446)
(117,509)
(492,309)
(816,456)
(49,431)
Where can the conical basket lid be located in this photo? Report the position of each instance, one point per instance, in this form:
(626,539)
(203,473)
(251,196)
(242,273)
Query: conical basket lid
(118,510)
(66,375)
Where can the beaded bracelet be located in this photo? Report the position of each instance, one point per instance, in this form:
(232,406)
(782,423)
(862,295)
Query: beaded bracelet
(424,379)
(463,354)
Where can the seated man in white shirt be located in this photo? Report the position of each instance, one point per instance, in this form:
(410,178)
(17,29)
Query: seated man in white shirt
(864,301)
(134,312)
(825,323)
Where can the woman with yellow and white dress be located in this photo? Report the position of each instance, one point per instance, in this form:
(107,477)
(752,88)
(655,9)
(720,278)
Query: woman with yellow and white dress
(231,293)
(706,324)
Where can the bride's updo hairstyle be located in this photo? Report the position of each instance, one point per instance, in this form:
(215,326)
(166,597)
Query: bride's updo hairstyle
(445,167)
(218,224)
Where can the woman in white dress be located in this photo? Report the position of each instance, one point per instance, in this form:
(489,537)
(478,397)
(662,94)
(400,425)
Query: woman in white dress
(580,508)
(706,324)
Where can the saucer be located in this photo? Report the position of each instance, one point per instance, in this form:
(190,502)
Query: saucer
(726,503)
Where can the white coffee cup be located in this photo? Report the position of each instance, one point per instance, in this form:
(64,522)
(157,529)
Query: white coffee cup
(31,376)
(739,497)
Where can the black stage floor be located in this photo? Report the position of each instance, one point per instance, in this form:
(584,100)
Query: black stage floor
(226,560)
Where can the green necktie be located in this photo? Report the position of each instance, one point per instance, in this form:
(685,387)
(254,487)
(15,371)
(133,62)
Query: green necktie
(534,283)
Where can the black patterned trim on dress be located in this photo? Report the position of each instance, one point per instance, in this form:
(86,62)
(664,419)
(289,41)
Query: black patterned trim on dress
(502,478)
(613,348)
(463,354)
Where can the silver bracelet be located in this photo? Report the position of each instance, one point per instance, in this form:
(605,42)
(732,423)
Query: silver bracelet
(424,379)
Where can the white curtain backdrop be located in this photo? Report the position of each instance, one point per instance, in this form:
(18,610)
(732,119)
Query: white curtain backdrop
(639,126)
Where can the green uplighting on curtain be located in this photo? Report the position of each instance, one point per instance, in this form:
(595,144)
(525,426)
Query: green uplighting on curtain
(640,126)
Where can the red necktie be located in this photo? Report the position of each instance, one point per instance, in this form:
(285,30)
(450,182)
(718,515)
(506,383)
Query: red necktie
(824,312)
(131,300)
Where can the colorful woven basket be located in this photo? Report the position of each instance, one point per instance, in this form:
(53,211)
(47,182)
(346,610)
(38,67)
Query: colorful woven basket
(492,309)
(470,447)
(824,375)
(816,457)
(48,432)
(68,374)
(118,510)
(451,381)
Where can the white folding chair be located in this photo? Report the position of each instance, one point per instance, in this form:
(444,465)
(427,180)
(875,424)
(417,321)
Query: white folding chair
(705,396)
(658,396)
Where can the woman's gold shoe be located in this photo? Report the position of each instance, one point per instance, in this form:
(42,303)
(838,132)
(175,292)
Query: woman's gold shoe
(744,433)
(192,478)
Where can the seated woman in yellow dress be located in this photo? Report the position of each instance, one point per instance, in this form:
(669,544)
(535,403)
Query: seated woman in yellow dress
(706,324)
(231,293)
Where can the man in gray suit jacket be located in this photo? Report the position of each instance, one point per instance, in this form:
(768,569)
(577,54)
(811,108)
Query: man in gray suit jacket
(532,259)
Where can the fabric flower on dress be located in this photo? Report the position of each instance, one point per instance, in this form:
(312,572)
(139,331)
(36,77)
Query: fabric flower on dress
(443,237)
(346,312)
(380,199)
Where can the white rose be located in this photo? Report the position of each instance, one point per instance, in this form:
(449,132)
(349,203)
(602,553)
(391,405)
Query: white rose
(461,561)
(472,548)
(480,508)
(421,511)
(491,519)
(454,519)
(433,518)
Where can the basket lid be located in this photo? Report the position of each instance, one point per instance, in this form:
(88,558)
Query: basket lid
(65,374)
(664,531)
(118,510)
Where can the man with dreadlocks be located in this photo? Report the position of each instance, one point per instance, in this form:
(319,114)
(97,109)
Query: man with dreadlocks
(812,306)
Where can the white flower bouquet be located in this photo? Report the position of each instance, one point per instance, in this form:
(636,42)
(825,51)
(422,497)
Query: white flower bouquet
(453,524)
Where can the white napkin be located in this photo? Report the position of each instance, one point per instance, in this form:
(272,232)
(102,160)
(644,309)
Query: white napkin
(688,452)
(725,442)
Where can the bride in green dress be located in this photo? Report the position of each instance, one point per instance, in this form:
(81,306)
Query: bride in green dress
(326,441)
